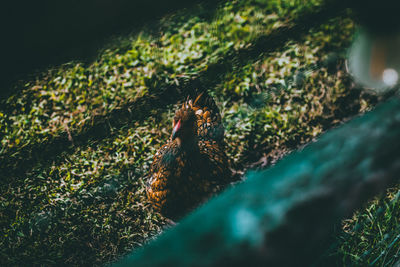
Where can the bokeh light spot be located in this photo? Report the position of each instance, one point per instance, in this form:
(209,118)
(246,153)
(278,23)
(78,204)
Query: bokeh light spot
(390,77)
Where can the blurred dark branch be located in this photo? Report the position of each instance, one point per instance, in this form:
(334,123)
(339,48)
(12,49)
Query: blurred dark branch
(285,216)
(18,160)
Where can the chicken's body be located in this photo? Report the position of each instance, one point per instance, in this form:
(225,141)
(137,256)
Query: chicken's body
(192,165)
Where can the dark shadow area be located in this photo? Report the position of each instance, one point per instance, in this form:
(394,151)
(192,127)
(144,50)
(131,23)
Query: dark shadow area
(36,35)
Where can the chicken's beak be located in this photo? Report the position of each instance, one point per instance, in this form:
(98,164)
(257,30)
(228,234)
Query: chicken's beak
(176,129)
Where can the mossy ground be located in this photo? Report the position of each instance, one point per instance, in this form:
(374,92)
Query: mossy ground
(87,206)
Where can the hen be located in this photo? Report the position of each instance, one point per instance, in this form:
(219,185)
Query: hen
(192,165)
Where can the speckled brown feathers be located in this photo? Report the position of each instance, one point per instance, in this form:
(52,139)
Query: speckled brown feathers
(208,118)
(192,165)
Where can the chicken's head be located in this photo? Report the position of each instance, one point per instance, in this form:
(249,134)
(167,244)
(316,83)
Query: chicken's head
(184,125)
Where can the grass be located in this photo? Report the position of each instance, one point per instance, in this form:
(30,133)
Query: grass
(76,100)
(371,235)
(71,94)
(85,205)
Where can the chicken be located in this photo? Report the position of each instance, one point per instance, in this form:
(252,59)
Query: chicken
(192,165)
